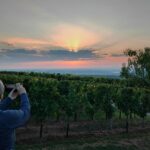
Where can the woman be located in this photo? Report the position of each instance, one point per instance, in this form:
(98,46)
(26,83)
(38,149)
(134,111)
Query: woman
(12,119)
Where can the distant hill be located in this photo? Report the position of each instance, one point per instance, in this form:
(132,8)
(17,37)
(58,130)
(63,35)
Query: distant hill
(110,73)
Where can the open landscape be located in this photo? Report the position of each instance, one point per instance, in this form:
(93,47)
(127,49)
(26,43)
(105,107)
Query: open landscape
(73,112)
(74,75)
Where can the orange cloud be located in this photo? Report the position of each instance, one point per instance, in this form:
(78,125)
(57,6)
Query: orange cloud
(28,43)
(106,62)
(25,41)
(74,37)
(65,36)
(55,64)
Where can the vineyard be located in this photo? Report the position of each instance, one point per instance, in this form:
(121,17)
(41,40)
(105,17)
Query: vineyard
(69,105)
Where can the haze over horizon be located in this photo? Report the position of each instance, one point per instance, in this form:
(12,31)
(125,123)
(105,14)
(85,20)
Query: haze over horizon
(71,33)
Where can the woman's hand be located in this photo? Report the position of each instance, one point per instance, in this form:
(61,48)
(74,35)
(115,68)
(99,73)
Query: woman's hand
(20,89)
(13,94)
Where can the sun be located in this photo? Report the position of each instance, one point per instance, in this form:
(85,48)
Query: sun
(74,38)
(73,44)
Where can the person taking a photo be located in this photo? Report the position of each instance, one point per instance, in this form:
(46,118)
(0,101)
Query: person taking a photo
(11,119)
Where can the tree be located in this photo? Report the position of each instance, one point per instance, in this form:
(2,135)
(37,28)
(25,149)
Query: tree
(75,95)
(143,104)
(138,64)
(124,71)
(66,105)
(101,94)
(90,101)
(126,103)
(43,94)
(105,101)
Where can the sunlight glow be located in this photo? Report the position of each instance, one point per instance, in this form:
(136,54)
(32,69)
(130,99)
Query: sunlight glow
(70,37)
(74,37)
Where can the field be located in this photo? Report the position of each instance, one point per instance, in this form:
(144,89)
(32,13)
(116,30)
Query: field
(85,135)
(83,113)
(137,139)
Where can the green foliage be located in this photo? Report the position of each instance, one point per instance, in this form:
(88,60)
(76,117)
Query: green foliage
(143,104)
(43,94)
(66,97)
(138,64)
(126,102)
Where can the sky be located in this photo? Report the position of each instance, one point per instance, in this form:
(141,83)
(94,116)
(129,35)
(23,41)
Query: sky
(87,34)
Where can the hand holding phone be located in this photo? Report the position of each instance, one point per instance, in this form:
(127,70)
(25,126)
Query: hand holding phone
(20,88)
(13,94)
(16,89)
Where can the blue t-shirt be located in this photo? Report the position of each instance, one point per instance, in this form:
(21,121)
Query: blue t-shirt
(12,119)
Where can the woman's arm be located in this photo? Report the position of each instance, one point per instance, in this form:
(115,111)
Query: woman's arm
(5,103)
(16,118)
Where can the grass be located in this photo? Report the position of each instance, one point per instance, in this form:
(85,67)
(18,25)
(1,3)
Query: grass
(132,141)
(135,140)
(77,147)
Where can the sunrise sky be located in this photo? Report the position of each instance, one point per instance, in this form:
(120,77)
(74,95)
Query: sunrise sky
(71,33)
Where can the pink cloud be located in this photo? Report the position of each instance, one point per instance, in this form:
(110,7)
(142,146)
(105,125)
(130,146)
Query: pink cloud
(106,62)
(28,43)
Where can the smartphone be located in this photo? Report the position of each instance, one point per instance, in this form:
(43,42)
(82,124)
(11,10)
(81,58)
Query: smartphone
(10,87)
